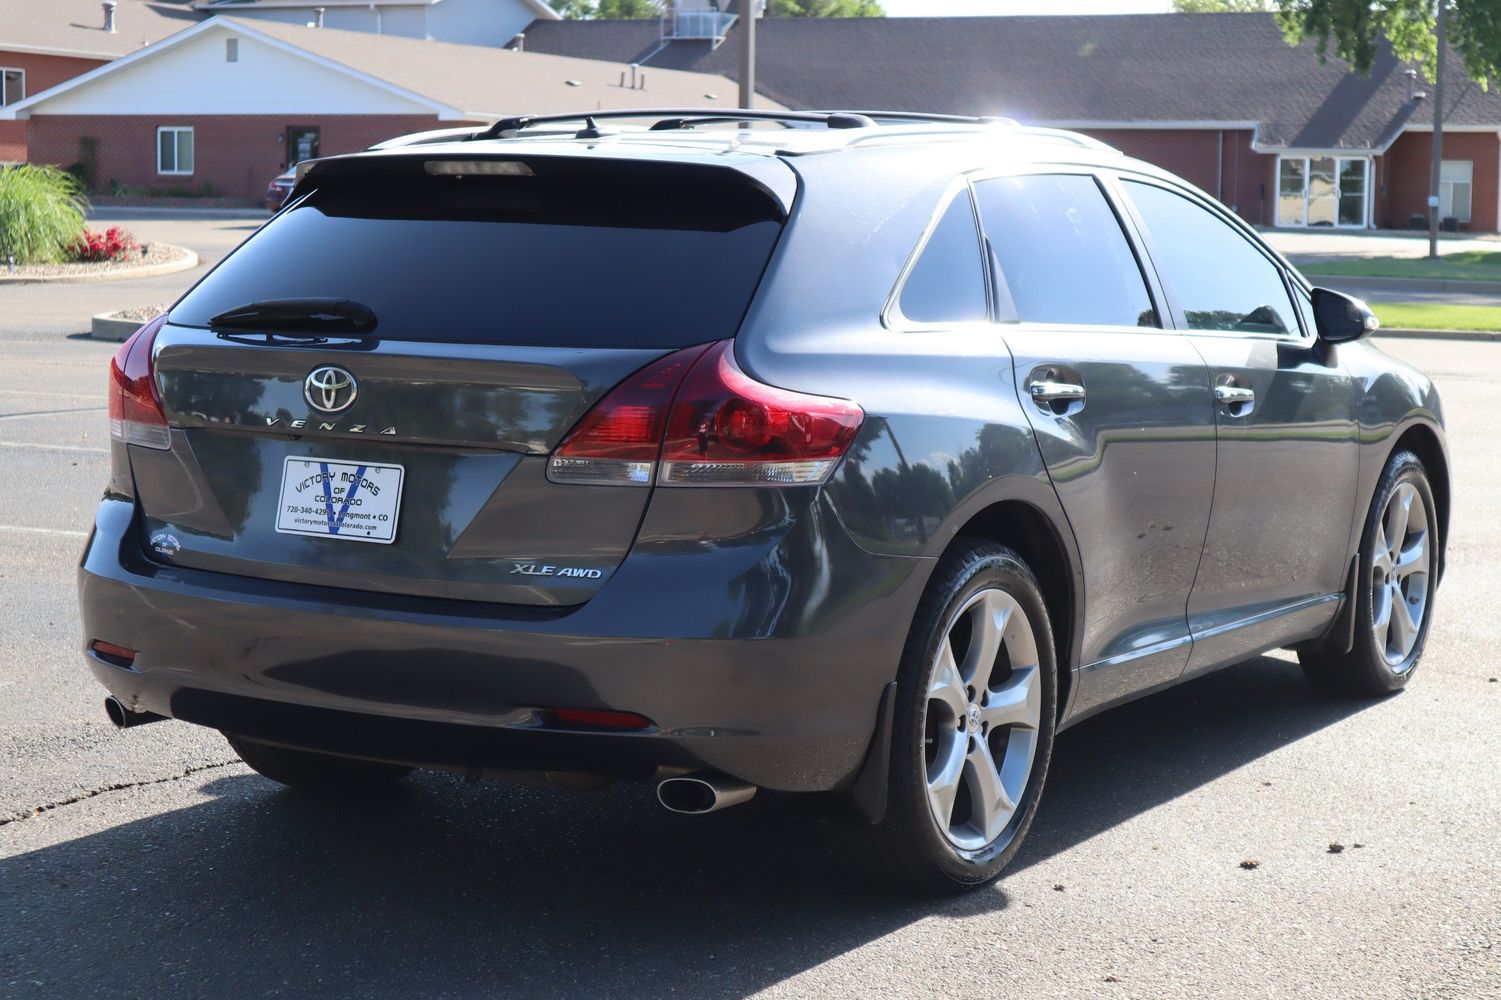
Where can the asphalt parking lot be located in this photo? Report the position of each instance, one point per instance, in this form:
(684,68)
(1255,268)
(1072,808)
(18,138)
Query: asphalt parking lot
(149,863)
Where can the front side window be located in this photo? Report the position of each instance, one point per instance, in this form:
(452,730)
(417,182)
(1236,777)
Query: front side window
(174,150)
(947,284)
(1060,253)
(1221,280)
(12,86)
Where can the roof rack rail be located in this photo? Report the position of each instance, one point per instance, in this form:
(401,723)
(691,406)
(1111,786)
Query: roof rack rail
(670,118)
(918,116)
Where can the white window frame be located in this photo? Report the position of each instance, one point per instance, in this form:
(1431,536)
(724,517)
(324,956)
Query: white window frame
(1366,209)
(5,99)
(1446,192)
(175,129)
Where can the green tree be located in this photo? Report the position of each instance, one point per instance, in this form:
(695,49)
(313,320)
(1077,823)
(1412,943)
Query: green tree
(824,8)
(624,9)
(1220,6)
(1354,28)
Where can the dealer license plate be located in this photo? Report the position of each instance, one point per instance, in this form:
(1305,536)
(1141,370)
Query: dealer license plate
(348,500)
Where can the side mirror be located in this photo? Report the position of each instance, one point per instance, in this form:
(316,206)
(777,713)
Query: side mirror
(1341,318)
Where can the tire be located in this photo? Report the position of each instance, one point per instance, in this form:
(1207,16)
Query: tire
(912,846)
(315,771)
(1384,657)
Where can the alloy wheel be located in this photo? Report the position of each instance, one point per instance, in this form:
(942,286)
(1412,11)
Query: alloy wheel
(983,718)
(1399,576)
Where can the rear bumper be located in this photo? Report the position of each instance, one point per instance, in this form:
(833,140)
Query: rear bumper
(765,658)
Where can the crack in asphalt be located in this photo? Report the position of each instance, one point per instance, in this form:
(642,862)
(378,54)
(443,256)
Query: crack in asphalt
(36,811)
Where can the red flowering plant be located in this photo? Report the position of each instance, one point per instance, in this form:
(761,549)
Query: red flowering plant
(92,247)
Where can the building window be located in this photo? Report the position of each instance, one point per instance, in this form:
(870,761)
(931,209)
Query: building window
(174,150)
(1323,191)
(231,50)
(1456,185)
(12,85)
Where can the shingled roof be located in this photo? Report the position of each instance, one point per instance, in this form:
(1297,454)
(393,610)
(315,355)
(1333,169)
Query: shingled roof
(76,27)
(1207,70)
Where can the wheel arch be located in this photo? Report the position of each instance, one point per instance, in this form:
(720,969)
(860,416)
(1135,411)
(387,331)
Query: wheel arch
(1425,441)
(1040,534)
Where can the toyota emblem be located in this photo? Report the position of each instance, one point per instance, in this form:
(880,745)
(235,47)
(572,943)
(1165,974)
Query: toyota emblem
(330,389)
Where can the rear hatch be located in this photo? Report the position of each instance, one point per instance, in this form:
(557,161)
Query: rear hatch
(409,341)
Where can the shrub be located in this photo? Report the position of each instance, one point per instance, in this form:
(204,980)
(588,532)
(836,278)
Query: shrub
(41,212)
(112,244)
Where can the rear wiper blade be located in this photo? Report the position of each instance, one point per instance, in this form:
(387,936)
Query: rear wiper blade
(312,315)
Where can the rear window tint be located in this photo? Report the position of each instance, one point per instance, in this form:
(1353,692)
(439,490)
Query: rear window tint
(1061,254)
(576,255)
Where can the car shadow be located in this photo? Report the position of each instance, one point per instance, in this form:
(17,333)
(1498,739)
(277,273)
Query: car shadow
(448,888)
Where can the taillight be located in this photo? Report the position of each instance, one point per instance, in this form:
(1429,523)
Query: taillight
(695,419)
(135,409)
(727,429)
(617,442)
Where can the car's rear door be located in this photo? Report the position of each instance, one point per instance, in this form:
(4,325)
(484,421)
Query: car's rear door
(1275,560)
(1122,413)
(507,295)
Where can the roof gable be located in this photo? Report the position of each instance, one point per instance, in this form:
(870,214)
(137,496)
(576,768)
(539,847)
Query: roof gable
(1119,70)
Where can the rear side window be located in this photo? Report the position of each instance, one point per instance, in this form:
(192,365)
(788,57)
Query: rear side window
(947,284)
(1221,281)
(1060,253)
(567,253)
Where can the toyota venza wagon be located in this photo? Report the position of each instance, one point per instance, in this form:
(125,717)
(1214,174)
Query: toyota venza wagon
(846,456)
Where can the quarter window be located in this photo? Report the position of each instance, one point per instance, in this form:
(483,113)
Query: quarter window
(12,86)
(1060,254)
(1221,280)
(174,150)
(947,284)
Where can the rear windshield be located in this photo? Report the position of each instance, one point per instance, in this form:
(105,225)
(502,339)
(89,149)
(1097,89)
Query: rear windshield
(575,254)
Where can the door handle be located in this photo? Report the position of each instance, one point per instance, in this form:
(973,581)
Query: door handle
(1234,394)
(1044,391)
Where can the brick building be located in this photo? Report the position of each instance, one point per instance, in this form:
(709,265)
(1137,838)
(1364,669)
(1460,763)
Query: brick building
(221,107)
(46,42)
(1221,99)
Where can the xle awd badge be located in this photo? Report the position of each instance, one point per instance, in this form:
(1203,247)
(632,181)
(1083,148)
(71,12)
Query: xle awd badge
(541,569)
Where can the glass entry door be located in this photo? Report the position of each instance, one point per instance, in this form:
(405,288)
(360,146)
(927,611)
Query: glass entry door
(1322,191)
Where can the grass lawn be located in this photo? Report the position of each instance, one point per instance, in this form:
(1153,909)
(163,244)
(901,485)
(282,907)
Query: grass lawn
(1431,316)
(1469,265)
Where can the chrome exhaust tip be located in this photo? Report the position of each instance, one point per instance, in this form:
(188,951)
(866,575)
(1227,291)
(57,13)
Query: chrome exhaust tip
(124,717)
(703,792)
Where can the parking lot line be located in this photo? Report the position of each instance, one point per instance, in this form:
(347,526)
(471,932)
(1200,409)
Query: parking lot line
(53,447)
(26,530)
(50,413)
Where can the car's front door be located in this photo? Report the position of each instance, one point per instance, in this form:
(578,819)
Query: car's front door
(1276,556)
(1121,411)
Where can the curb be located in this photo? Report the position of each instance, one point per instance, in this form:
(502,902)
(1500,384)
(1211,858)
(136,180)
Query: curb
(1477,335)
(1369,284)
(189,259)
(104,326)
(134,211)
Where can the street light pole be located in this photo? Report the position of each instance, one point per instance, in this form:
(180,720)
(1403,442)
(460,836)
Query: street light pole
(1438,138)
(748,53)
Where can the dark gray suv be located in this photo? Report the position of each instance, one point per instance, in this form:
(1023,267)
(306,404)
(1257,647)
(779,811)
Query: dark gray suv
(851,460)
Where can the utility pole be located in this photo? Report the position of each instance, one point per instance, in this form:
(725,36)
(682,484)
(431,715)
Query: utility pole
(1438,138)
(748,53)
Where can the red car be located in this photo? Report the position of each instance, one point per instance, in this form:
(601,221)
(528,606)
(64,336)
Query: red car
(277,190)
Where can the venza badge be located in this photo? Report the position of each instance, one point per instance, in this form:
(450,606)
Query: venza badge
(330,389)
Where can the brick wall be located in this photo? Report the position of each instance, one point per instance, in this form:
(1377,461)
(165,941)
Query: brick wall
(1243,179)
(1404,171)
(41,72)
(236,154)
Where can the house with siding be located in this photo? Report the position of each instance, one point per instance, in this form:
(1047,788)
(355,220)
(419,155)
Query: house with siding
(228,103)
(1221,99)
